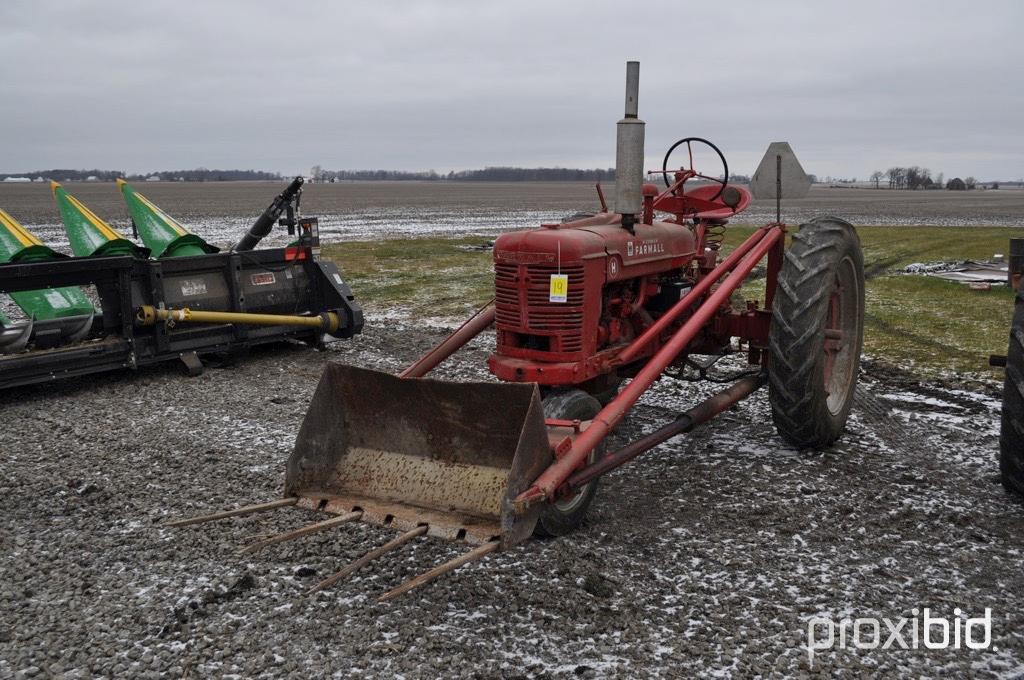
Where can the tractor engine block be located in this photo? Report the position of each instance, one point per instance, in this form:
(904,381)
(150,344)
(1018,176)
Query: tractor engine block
(569,295)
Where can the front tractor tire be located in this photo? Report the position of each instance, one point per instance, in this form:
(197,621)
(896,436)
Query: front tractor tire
(1011,430)
(817,330)
(564,516)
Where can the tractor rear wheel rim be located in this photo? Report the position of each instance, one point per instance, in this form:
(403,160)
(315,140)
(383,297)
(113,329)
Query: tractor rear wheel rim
(840,330)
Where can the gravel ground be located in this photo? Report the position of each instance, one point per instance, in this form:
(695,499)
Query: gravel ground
(705,557)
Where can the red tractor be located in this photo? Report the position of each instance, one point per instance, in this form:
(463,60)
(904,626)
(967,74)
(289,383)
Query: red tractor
(582,307)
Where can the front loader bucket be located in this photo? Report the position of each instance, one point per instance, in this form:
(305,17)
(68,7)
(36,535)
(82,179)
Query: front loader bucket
(409,452)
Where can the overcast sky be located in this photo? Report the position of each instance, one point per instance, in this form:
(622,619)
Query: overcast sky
(854,86)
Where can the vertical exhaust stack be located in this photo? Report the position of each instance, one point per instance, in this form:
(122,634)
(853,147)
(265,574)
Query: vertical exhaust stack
(629,153)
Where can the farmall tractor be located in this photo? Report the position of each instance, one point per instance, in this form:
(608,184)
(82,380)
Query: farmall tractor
(588,314)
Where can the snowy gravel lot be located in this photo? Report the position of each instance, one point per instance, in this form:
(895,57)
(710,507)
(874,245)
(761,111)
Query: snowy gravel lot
(706,556)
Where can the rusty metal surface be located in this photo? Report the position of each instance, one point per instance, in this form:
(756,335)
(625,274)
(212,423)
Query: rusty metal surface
(533,455)
(425,482)
(701,413)
(307,530)
(237,512)
(473,555)
(409,451)
(361,562)
(403,517)
(472,327)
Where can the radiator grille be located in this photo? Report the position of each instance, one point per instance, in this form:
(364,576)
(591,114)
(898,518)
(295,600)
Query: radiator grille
(523,305)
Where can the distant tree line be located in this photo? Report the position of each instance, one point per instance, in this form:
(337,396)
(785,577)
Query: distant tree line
(491,174)
(69,175)
(915,177)
(506,174)
(197,175)
(204,175)
(320,175)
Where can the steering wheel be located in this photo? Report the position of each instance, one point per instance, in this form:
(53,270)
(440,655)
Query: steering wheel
(688,141)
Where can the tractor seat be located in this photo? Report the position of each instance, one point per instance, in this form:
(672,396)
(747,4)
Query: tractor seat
(719,215)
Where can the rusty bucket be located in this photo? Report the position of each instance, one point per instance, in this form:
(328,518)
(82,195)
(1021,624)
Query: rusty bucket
(408,452)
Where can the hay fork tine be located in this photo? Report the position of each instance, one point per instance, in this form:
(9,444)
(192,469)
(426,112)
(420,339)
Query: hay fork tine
(237,512)
(451,565)
(358,564)
(303,531)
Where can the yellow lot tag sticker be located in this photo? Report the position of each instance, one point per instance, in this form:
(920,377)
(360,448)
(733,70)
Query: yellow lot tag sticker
(559,288)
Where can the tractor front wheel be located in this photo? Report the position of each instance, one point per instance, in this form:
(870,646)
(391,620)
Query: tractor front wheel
(816,333)
(561,517)
(1011,430)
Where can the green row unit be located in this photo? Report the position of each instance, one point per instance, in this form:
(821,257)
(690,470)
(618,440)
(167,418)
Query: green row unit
(165,297)
(17,244)
(90,236)
(161,233)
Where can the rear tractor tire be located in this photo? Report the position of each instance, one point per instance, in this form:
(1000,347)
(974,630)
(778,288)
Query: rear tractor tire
(1011,430)
(562,517)
(817,330)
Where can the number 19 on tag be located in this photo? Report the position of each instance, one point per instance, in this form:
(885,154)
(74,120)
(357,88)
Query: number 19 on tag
(559,288)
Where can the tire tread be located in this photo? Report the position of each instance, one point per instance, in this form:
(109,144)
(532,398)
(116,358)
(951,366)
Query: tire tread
(798,404)
(1011,430)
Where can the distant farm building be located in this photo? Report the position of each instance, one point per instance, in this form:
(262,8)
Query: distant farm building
(17,179)
(956,184)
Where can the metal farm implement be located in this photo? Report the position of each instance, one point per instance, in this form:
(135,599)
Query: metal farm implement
(177,298)
(581,307)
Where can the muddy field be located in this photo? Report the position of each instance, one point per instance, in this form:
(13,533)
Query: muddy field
(705,557)
(221,211)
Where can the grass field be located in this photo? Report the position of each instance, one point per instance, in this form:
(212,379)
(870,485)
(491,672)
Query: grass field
(926,324)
